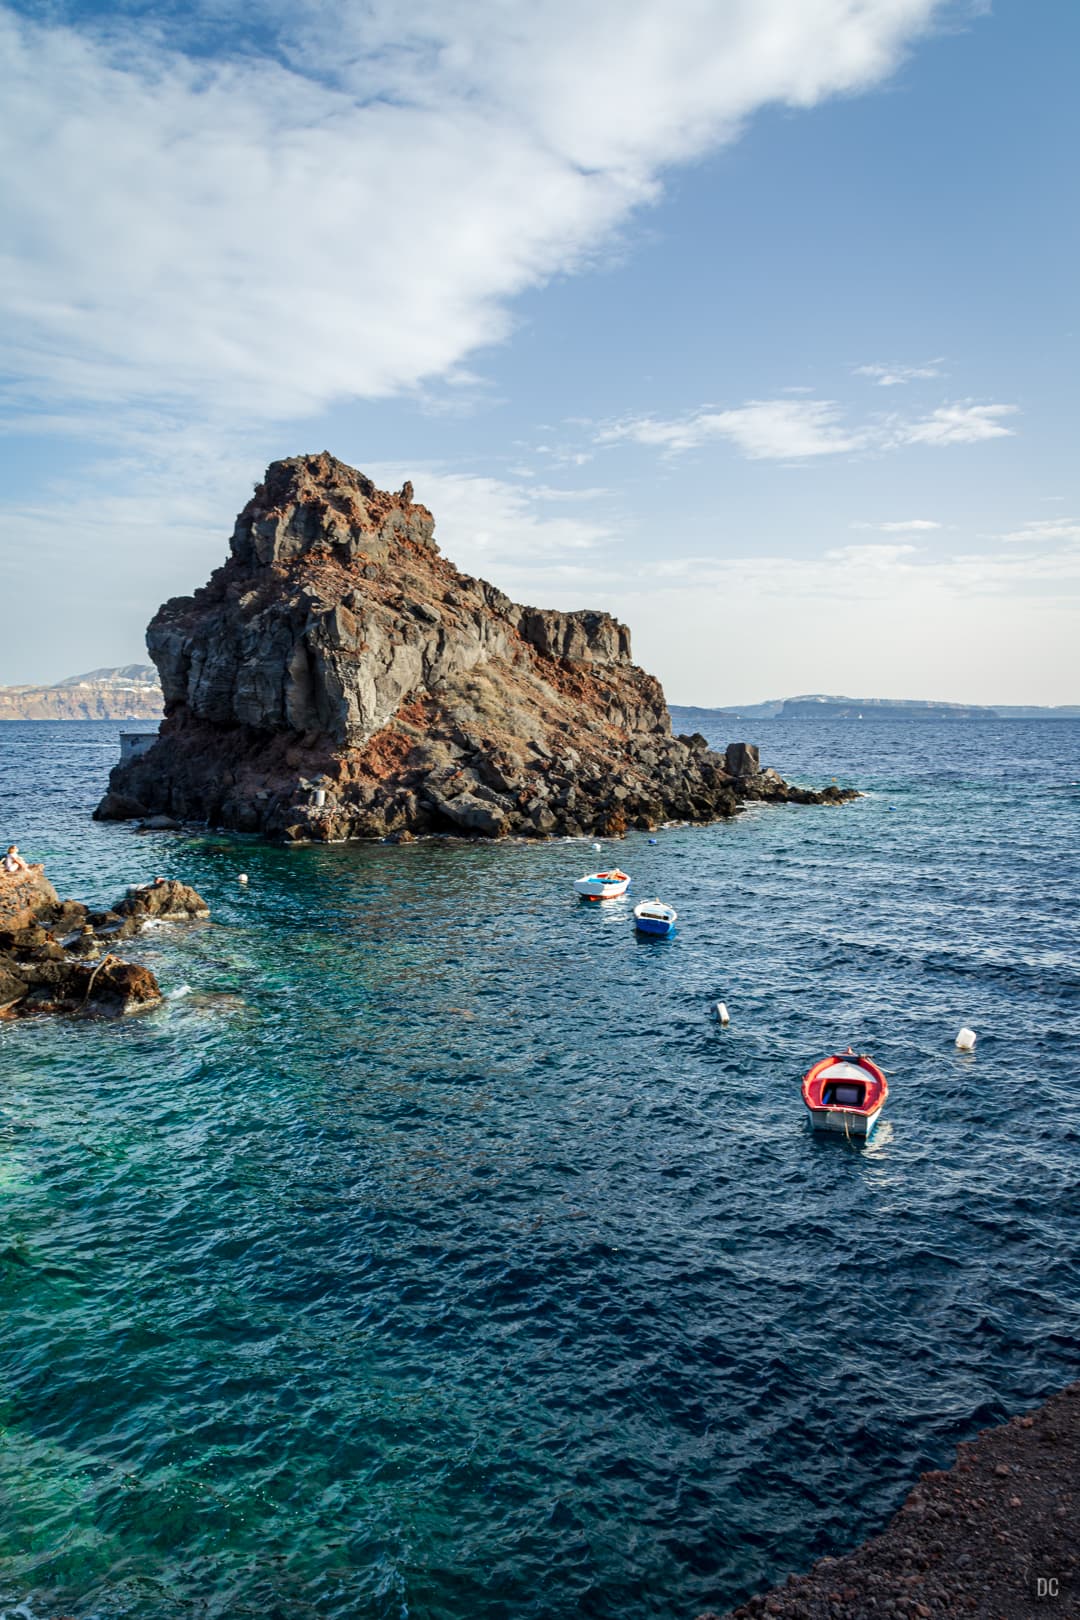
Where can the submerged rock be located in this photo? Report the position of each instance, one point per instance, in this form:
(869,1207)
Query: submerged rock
(338,678)
(55,955)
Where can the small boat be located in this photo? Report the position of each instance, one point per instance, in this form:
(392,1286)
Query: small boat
(603,885)
(845,1092)
(653,917)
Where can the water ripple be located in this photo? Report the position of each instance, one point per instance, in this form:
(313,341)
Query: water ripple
(433,1252)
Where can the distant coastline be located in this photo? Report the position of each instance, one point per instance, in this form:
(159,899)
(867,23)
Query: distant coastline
(819,706)
(126,692)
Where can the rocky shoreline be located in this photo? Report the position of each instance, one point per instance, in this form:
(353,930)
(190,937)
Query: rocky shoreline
(995,1537)
(58,956)
(338,678)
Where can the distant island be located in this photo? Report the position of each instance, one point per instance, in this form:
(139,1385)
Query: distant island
(820,706)
(130,692)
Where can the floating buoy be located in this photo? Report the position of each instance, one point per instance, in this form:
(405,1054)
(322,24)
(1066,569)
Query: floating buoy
(654,840)
(596,846)
(966,1040)
(242,878)
(722,1013)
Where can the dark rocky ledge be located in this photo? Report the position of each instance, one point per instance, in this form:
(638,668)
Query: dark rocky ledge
(338,678)
(57,956)
(995,1537)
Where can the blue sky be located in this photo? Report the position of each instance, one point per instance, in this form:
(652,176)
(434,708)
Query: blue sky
(754,324)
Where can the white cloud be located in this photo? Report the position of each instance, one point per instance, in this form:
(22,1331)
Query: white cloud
(500,530)
(345,205)
(901,526)
(892,376)
(958,424)
(796,429)
(1043,530)
(772,429)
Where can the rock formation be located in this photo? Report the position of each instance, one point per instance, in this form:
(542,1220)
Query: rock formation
(131,692)
(338,678)
(56,955)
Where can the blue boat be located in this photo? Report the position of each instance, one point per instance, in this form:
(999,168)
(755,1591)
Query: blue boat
(653,917)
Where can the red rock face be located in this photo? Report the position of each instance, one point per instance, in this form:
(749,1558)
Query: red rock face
(22,897)
(338,678)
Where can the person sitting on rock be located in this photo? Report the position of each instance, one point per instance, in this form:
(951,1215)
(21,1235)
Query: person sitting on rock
(13,862)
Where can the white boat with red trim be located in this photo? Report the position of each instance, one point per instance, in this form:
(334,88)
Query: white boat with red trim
(845,1092)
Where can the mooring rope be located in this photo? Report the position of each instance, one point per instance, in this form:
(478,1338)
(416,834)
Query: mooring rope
(105,960)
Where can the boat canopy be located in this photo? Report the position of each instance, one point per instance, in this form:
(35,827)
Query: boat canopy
(845,1071)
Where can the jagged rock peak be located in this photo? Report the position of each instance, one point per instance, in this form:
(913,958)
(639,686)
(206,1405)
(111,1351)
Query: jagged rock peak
(338,678)
(316,503)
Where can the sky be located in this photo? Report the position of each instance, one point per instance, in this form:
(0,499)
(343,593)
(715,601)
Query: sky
(750,321)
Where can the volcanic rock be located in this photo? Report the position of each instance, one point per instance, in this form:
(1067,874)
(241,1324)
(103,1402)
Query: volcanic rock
(55,955)
(338,678)
(995,1537)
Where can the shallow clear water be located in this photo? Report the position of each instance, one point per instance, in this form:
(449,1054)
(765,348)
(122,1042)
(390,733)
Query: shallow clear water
(433,1252)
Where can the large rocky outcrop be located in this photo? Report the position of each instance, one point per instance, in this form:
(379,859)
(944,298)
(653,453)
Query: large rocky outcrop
(338,678)
(57,956)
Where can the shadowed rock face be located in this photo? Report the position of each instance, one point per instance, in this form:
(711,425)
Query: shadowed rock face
(338,678)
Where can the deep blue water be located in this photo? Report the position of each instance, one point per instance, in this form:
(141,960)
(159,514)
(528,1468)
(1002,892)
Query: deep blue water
(434,1253)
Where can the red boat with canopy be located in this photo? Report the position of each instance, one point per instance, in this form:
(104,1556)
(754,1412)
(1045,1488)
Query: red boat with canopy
(845,1092)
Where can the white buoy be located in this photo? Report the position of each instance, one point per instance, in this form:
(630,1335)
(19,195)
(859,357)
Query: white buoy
(966,1040)
(596,846)
(242,878)
(722,1013)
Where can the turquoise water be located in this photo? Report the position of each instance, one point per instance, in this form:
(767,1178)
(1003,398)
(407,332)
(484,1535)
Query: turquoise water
(433,1252)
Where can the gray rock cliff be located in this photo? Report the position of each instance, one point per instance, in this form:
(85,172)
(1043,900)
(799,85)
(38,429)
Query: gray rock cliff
(337,677)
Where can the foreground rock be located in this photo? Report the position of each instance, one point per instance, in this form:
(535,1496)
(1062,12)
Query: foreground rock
(57,956)
(996,1537)
(338,678)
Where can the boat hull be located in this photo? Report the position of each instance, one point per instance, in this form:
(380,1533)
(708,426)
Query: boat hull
(655,927)
(844,1121)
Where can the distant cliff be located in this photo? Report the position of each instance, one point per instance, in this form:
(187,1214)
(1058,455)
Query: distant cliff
(131,692)
(338,678)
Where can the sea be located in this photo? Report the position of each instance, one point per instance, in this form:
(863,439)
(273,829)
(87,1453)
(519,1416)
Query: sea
(433,1252)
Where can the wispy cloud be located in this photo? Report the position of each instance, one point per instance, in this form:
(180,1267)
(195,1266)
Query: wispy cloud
(1041,532)
(497,528)
(799,429)
(964,423)
(901,526)
(763,429)
(892,376)
(278,208)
